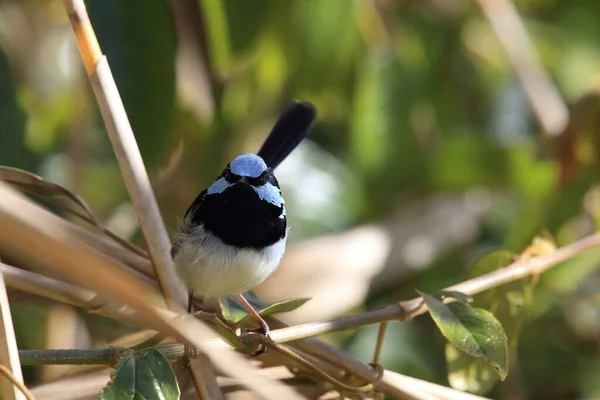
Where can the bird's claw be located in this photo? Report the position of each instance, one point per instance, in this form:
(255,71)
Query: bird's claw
(189,353)
(264,331)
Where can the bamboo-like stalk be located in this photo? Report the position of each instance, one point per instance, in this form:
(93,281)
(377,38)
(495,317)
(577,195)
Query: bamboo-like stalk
(203,371)
(548,107)
(127,153)
(9,353)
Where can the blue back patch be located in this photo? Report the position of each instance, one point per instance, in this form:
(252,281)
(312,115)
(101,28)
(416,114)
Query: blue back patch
(249,165)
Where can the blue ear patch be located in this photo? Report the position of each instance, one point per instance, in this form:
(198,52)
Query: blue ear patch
(270,194)
(249,165)
(218,187)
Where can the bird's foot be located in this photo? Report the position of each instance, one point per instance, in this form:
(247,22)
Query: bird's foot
(265,331)
(189,353)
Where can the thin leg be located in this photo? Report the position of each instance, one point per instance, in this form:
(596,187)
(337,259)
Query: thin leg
(264,328)
(190,301)
(187,349)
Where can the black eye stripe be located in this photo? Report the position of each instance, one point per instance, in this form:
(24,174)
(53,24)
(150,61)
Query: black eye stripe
(261,180)
(265,177)
(229,176)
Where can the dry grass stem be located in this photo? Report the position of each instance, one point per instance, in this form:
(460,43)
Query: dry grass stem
(380,338)
(12,388)
(137,182)
(22,392)
(548,106)
(203,371)
(438,391)
(38,186)
(73,388)
(127,153)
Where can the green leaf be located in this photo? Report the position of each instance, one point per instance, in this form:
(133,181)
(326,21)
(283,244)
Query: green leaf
(510,304)
(139,40)
(473,330)
(145,375)
(234,311)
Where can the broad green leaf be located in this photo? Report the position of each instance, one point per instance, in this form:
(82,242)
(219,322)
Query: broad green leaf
(469,374)
(139,40)
(510,304)
(122,380)
(145,375)
(234,311)
(473,330)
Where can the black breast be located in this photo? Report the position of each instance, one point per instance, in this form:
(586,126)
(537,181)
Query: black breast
(239,217)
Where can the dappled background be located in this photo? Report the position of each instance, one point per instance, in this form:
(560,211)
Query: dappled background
(446,129)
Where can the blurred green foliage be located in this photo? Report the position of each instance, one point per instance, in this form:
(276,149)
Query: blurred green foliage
(415,98)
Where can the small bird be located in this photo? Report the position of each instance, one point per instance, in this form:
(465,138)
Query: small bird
(233,235)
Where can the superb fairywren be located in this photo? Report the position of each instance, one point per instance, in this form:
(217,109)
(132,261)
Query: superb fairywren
(233,235)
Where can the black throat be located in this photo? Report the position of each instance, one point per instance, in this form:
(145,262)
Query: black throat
(239,217)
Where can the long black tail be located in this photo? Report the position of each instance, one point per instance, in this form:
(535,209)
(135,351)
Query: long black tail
(292,126)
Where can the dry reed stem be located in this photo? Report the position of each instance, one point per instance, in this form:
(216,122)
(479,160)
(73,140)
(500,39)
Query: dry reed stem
(438,391)
(84,386)
(127,153)
(24,226)
(549,108)
(9,353)
(22,392)
(203,371)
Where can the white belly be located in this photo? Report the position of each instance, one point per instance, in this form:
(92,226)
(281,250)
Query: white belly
(209,267)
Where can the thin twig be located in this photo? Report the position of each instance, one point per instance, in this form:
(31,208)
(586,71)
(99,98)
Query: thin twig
(318,371)
(380,336)
(379,345)
(549,108)
(9,375)
(9,352)
(438,391)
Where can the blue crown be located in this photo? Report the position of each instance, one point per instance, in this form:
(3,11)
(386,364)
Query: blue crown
(249,165)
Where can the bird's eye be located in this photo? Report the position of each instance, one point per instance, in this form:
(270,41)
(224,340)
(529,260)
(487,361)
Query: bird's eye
(229,176)
(262,179)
